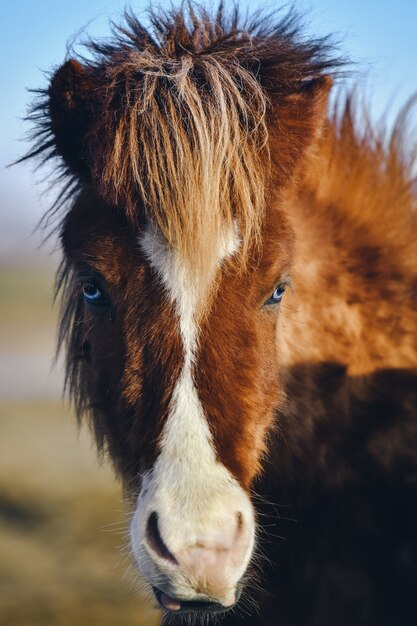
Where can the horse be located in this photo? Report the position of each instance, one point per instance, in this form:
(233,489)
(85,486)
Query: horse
(239,297)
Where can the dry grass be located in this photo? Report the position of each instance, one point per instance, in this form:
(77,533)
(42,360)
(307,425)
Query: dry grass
(62,527)
(27,319)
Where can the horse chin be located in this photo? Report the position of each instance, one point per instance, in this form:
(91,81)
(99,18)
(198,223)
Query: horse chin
(198,606)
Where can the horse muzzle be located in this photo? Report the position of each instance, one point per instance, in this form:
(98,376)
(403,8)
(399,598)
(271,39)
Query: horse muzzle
(194,556)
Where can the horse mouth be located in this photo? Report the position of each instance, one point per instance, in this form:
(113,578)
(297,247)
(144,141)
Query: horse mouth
(176,605)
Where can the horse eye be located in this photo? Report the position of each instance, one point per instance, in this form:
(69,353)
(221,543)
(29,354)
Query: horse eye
(276,296)
(93,294)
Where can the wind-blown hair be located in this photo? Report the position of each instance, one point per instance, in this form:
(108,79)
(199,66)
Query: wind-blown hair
(171,122)
(190,134)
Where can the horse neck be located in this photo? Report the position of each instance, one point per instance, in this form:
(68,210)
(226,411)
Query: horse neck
(351,298)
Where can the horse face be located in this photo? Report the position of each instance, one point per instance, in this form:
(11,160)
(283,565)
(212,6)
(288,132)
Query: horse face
(182,378)
(173,345)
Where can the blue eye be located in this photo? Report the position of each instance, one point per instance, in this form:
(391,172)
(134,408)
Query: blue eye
(276,296)
(93,294)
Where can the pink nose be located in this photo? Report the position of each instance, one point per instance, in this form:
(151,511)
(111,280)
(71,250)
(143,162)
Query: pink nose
(210,559)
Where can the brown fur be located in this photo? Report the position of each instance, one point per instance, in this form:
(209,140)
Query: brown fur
(320,393)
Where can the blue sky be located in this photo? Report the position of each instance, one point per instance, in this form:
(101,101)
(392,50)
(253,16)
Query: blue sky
(380,36)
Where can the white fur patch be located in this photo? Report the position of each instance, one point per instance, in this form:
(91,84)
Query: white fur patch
(192,492)
(186,436)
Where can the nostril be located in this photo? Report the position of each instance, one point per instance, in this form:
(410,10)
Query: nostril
(155,540)
(239,517)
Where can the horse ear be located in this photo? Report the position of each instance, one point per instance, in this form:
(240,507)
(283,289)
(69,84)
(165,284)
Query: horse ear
(70,106)
(297,120)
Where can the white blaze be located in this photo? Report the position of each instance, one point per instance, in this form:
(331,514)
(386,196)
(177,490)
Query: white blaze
(188,487)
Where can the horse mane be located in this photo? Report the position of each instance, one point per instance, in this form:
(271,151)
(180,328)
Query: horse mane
(367,176)
(174,118)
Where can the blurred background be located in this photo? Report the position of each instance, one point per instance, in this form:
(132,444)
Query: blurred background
(62,523)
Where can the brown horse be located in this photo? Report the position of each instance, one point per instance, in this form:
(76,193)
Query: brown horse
(240,294)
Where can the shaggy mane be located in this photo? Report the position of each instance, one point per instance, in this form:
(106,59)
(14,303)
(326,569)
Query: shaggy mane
(368,175)
(178,118)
